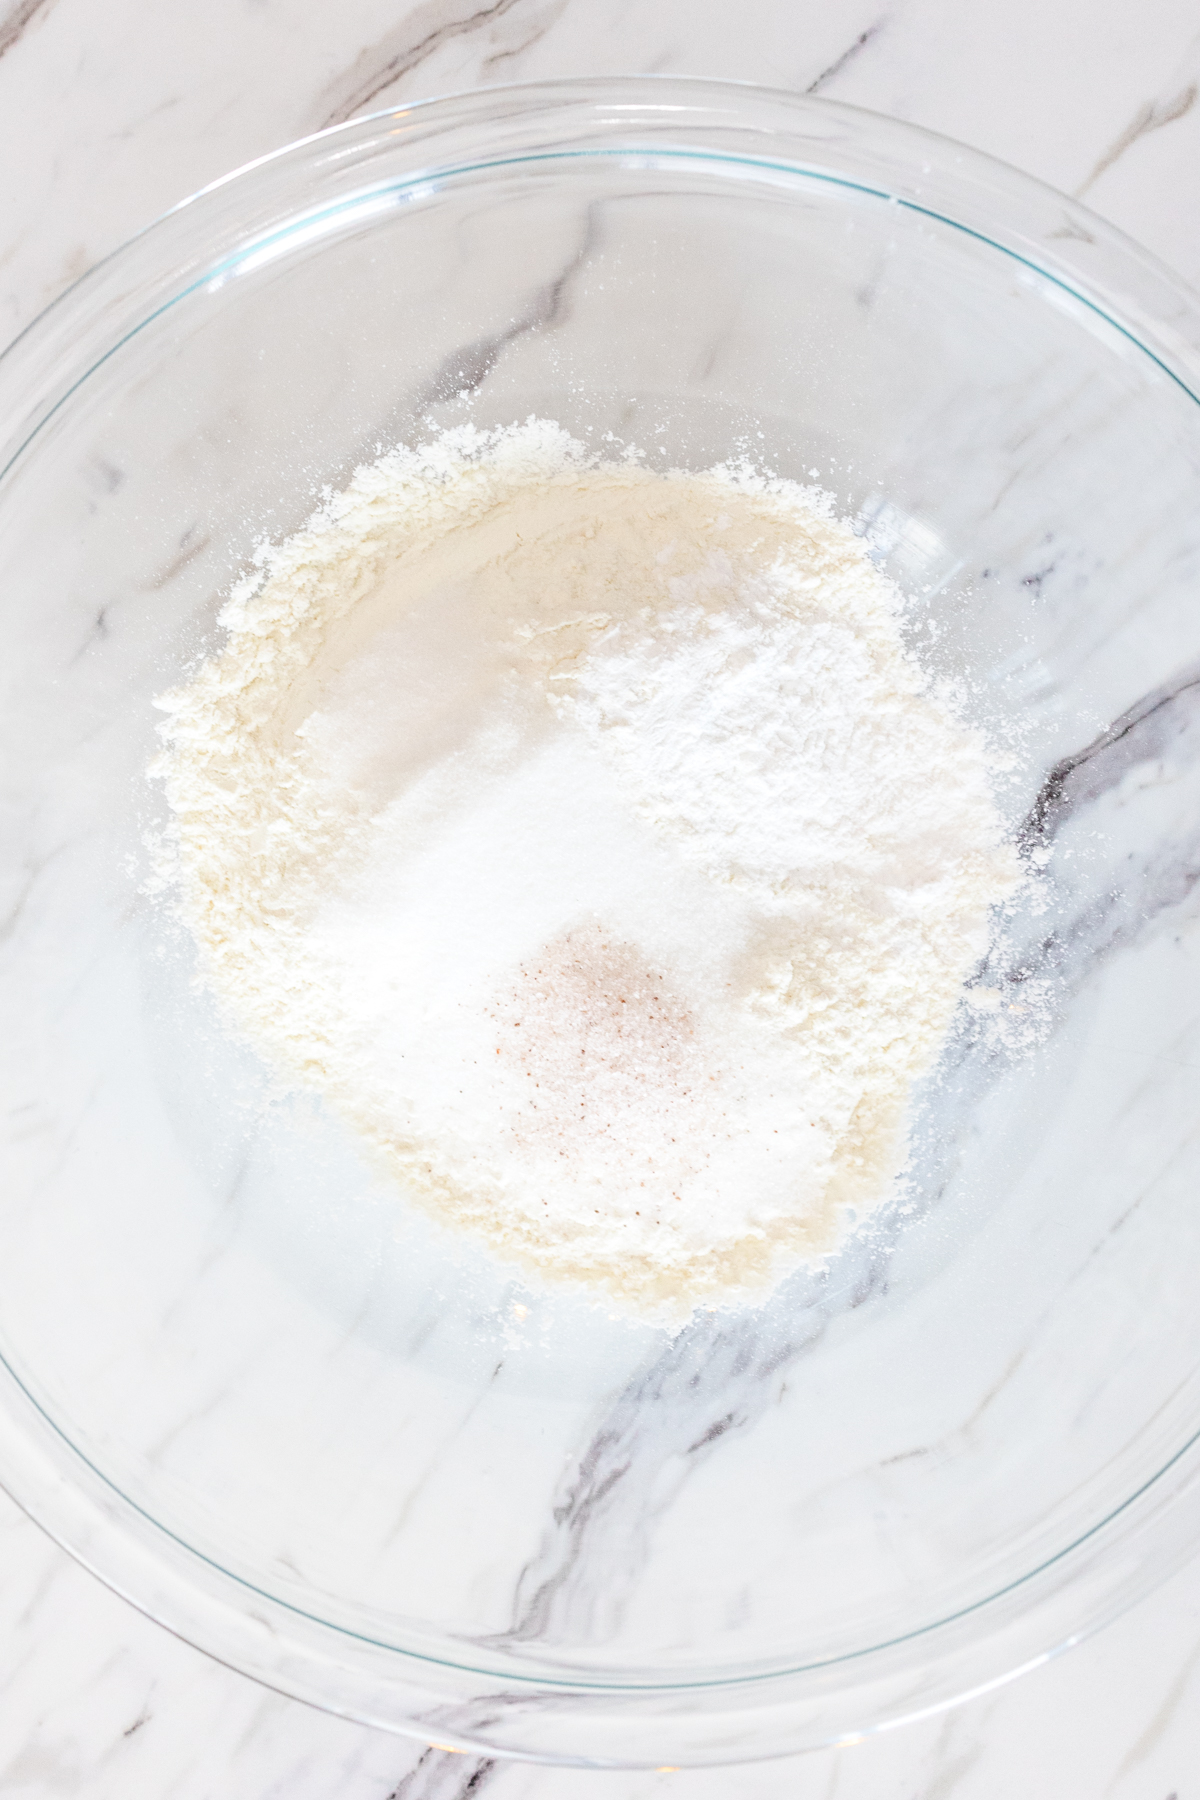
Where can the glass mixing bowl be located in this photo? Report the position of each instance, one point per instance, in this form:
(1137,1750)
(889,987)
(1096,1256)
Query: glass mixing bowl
(261,1397)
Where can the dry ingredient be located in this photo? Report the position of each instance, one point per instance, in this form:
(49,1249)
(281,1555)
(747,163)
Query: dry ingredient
(589,839)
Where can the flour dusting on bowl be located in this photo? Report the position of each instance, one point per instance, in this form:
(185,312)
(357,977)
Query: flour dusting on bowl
(591,841)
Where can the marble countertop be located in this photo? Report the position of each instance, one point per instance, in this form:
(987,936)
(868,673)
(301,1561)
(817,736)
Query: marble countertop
(108,117)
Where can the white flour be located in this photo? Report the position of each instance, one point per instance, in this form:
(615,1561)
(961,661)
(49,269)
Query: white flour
(587,837)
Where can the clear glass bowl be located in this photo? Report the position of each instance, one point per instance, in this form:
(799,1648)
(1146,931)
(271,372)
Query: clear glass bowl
(289,1420)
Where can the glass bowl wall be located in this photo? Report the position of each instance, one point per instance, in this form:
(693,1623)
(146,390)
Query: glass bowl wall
(279,1411)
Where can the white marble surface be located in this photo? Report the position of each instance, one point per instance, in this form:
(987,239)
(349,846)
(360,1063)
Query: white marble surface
(108,118)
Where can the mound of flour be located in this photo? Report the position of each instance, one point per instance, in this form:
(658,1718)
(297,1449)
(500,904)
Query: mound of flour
(588,838)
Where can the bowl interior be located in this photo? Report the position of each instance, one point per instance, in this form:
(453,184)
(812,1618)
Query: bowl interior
(205,1291)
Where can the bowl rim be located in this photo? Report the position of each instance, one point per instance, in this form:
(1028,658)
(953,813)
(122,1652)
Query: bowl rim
(678,1721)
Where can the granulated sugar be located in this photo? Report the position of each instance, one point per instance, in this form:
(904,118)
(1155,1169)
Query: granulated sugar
(588,838)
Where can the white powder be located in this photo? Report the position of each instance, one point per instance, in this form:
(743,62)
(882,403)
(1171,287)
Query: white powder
(589,840)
